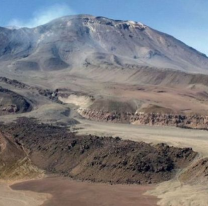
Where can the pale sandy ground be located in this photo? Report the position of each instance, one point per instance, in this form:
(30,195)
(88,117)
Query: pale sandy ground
(178,99)
(81,101)
(9,197)
(196,139)
(66,192)
(171,193)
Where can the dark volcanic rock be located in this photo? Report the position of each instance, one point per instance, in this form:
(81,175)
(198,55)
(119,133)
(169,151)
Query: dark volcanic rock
(11,102)
(52,95)
(100,159)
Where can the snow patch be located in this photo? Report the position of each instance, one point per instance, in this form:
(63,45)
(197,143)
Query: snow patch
(136,24)
(69,23)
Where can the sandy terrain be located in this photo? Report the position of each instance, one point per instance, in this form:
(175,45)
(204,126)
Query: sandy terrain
(81,101)
(196,139)
(117,80)
(67,192)
(178,100)
(171,193)
(9,197)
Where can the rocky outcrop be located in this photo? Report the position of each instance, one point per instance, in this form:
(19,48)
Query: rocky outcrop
(11,102)
(186,121)
(52,95)
(14,161)
(106,116)
(197,172)
(99,159)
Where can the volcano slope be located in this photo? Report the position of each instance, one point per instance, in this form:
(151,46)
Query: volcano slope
(139,71)
(83,41)
(141,76)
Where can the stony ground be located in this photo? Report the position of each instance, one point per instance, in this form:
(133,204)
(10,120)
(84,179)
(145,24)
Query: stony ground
(99,159)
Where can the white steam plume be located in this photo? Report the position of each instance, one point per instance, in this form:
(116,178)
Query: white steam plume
(43,16)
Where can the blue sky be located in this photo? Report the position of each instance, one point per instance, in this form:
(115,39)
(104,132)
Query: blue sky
(186,20)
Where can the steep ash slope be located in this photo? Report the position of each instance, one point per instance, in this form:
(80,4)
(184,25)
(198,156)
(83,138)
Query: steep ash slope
(14,161)
(84,40)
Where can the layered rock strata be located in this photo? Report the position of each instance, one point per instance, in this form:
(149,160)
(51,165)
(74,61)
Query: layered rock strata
(179,120)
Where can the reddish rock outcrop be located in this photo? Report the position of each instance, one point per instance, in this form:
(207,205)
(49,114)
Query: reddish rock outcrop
(186,121)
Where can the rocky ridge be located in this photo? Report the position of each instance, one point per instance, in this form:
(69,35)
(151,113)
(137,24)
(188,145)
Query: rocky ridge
(14,161)
(52,95)
(12,103)
(180,120)
(99,159)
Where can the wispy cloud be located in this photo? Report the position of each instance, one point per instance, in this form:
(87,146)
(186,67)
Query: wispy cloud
(43,16)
